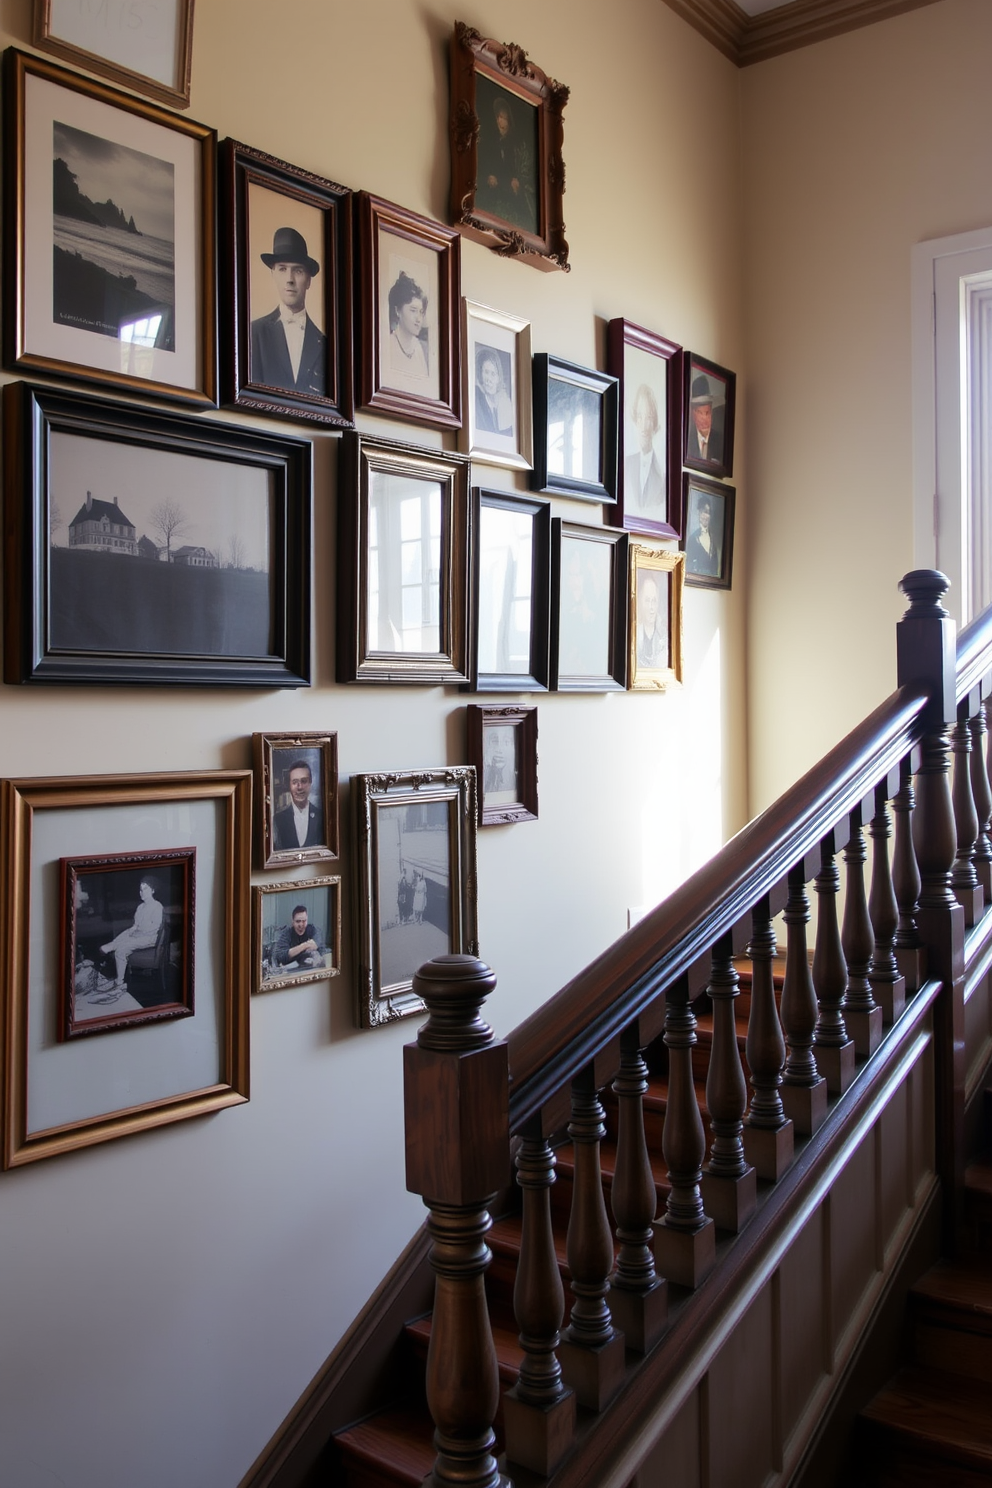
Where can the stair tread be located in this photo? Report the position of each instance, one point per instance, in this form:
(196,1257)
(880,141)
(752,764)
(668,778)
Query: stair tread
(397,1442)
(961,1286)
(936,1409)
(608,1164)
(505,1238)
(506,1341)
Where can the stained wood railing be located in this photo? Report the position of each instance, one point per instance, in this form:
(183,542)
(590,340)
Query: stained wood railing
(914,778)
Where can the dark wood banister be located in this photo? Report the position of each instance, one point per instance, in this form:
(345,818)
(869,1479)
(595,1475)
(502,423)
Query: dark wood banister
(974,653)
(550,1047)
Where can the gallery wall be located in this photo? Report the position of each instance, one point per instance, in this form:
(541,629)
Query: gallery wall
(854,151)
(165,1298)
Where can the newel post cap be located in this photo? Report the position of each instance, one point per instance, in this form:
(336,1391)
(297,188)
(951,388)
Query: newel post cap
(926,652)
(454,988)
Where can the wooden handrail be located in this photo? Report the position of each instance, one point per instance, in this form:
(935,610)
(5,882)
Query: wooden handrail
(550,1047)
(974,653)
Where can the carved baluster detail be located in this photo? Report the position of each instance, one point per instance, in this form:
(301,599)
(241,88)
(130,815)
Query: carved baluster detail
(861,1012)
(539,1412)
(804,1090)
(729,1184)
(833,1049)
(888,985)
(964,879)
(592,1350)
(768,1133)
(982,794)
(639,1298)
(685,1239)
(906,881)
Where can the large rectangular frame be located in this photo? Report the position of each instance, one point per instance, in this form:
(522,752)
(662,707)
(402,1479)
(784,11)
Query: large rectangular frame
(298,888)
(645,677)
(492,447)
(538,509)
(362,457)
(31,415)
(187,374)
(576,607)
(241,168)
(508,67)
(627,343)
(319,749)
(188,1067)
(481,721)
(455,787)
(601,487)
(175,92)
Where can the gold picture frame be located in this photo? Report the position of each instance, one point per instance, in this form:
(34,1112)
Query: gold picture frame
(655,648)
(276,906)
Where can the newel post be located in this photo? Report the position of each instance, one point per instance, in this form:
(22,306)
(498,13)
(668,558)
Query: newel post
(926,654)
(457,1158)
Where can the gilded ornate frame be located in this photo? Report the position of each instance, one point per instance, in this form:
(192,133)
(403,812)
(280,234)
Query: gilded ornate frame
(668,562)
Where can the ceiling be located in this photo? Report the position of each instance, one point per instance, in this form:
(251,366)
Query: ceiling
(749,31)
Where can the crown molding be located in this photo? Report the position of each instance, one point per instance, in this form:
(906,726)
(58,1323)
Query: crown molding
(747,39)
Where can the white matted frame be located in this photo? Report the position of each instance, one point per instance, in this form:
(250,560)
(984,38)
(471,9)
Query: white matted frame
(497,402)
(145,44)
(60,1096)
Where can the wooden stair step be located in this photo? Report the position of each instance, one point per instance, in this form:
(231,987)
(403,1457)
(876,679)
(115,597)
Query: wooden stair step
(505,1339)
(931,1414)
(393,1447)
(952,1318)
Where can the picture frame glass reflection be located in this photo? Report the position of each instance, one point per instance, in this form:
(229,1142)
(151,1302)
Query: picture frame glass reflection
(404,564)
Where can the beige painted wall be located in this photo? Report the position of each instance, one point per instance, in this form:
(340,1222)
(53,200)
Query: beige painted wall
(166,1299)
(854,150)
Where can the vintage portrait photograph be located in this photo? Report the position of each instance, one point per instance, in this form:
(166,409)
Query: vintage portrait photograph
(128,930)
(508,184)
(502,745)
(298,930)
(710,395)
(497,399)
(650,464)
(296,777)
(408,316)
(288,347)
(709,541)
(575,418)
(656,579)
(651,619)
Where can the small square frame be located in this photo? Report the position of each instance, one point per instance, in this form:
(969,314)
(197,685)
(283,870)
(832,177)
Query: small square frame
(304,201)
(491,573)
(320,753)
(588,608)
(170,84)
(649,369)
(363,460)
(397,250)
(646,564)
(453,790)
(700,570)
(721,387)
(484,726)
(493,337)
(299,890)
(599,395)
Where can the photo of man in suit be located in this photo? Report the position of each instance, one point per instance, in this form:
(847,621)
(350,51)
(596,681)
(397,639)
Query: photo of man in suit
(300,824)
(643,472)
(704,439)
(287,349)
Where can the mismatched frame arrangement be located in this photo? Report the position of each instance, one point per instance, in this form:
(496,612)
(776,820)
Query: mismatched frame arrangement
(509,67)
(479,720)
(33,809)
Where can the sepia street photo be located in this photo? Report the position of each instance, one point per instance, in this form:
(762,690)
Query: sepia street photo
(414,887)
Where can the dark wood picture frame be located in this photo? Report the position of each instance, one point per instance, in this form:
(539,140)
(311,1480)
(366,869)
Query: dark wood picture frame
(707,381)
(702,570)
(399,467)
(558,384)
(422,266)
(316,965)
(274,757)
(502,581)
(327,394)
(487,76)
(503,797)
(256,500)
(447,920)
(158,170)
(649,369)
(663,568)
(588,608)
(175,93)
(98,994)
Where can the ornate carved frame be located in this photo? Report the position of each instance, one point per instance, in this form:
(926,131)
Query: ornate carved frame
(509,67)
(523,720)
(322,744)
(295,886)
(672,564)
(455,786)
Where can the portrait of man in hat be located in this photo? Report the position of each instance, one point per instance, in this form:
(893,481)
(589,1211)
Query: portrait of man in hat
(704,436)
(287,349)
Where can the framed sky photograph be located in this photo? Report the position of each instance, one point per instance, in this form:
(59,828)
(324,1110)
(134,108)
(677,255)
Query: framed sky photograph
(109,236)
(496,391)
(649,487)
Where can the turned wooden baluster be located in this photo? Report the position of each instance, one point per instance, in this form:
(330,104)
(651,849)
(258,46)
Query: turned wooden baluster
(457,1139)
(639,1299)
(592,1350)
(982,794)
(729,1184)
(887,983)
(833,1048)
(804,1090)
(768,1133)
(539,1412)
(685,1239)
(906,881)
(861,1012)
(964,879)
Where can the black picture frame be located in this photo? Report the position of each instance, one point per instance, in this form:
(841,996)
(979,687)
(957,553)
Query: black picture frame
(564,394)
(230,610)
(511,592)
(501,743)
(588,607)
(712,570)
(707,381)
(269,207)
(649,367)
